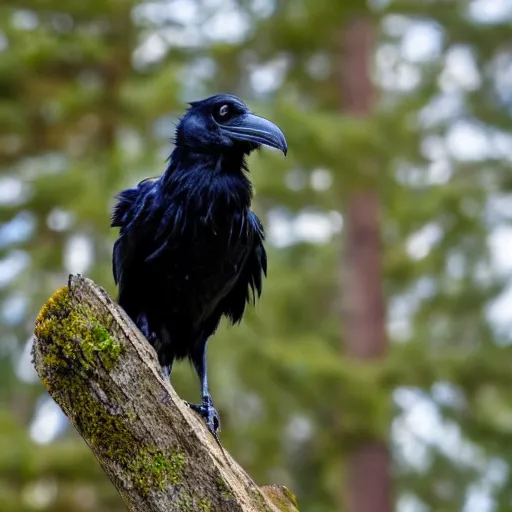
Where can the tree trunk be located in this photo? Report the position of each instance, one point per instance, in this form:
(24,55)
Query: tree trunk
(368,464)
(105,376)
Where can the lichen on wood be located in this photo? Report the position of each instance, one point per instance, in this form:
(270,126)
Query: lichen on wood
(104,375)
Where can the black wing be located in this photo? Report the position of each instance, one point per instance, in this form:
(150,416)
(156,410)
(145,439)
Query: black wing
(133,205)
(250,280)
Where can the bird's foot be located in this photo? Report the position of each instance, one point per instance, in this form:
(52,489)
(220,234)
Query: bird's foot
(212,419)
(209,414)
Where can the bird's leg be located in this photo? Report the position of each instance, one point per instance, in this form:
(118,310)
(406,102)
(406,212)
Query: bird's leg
(143,324)
(205,409)
(167,370)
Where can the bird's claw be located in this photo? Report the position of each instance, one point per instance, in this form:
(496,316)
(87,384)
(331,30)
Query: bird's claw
(209,414)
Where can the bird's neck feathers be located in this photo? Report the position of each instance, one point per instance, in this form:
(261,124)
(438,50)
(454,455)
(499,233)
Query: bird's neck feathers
(219,178)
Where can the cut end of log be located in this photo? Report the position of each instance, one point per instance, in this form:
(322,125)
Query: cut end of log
(281,497)
(105,376)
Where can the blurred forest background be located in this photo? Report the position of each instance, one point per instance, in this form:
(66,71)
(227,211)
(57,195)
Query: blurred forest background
(421,157)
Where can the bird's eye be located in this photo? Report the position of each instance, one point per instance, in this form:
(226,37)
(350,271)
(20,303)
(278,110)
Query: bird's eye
(223,113)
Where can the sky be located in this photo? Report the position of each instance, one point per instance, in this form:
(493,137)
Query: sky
(421,423)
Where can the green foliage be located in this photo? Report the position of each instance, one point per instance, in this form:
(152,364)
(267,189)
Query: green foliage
(57,477)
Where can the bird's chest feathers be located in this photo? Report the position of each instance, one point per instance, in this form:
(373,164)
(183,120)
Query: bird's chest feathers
(205,252)
(218,229)
(205,218)
(214,205)
(218,222)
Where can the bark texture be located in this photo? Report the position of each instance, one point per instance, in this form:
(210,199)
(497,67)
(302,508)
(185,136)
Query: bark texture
(99,368)
(368,464)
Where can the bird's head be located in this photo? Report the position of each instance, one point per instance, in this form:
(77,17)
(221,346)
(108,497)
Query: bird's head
(224,122)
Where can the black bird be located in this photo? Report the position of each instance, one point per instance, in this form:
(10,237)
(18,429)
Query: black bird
(190,250)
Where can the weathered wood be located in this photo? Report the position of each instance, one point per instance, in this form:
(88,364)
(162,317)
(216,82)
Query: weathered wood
(105,376)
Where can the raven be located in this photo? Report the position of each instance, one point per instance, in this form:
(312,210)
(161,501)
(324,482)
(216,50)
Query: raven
(190,250)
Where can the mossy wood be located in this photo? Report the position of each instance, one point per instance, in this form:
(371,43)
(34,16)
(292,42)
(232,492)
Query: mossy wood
(104,375)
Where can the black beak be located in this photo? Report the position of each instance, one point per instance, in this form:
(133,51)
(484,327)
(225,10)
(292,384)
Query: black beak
(255,129)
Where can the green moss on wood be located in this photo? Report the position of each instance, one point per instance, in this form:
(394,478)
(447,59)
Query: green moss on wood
(224,491)
(155,470)
(189,503)
(71,341)
(76,334)
(205,505)
(260,501)
(71,344)
(186,503)
(281,497)
(289,494)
